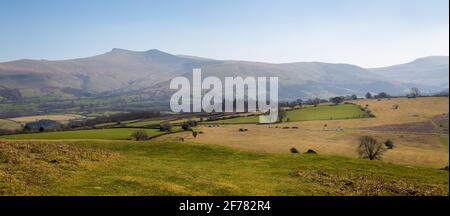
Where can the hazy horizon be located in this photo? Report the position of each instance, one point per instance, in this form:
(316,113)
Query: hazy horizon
(368,34)
(193,55)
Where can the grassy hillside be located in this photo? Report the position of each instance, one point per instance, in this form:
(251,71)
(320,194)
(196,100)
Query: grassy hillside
(169,168)
(107,134)
(325,112)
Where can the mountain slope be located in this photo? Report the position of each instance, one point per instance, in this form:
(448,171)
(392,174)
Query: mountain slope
(429,71)
(129,73)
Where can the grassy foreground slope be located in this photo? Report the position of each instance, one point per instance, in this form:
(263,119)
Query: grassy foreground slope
(107,134)
(160,167)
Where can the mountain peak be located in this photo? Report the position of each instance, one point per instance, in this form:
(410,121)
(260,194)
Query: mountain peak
(433,60)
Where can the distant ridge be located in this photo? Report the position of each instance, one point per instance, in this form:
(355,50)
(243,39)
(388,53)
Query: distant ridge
(122,71)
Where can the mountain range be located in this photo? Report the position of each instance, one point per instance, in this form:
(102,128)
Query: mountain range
(123,72)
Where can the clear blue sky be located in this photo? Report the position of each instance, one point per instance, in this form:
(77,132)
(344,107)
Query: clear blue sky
(365,32)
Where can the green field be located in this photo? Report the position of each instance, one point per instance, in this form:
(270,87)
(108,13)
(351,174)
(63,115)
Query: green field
(145,123)
(326,112)
(107,134)
(168,168)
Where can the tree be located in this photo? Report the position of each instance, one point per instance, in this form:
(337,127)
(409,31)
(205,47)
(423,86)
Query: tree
(337,100)
(315,101)
(414,92)
(139,135)
(165,126)
(194,134)
(281,114)
(299,102)
(370,148)
(354,97)
(382,95)
(368,95)
(185,127)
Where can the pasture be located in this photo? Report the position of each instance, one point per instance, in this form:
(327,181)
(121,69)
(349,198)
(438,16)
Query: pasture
(324,112)
(340,137)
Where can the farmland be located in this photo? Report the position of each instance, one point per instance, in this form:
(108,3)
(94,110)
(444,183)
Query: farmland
(225,160)
(339,137)
(6,124)
(62,118)
(324,112)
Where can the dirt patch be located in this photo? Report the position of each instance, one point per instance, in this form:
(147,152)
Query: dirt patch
(441,123)
(420,127)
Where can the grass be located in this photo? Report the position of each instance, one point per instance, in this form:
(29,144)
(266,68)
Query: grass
(161,167)
(107,134)
(62,118)
(444,141)
(6,124)
(343,111)
(325,112)
(145,123)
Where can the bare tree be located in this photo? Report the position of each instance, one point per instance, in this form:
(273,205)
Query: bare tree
(370,148)
(414,92)
(139,135)
(282,114)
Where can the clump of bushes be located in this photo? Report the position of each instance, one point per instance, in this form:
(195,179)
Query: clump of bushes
(310,151)
(139,135)
(189,125)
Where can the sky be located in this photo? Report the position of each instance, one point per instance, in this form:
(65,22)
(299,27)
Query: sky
(369,33)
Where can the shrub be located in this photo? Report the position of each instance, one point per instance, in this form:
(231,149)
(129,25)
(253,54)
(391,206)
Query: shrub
(194,134)
(186,127)
(370,148)
(389,144)
(310,151)
(165,126)
(294,150)
(139,135)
